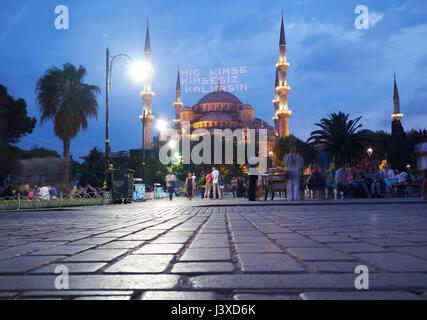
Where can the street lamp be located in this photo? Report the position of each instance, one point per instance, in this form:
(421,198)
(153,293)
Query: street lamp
(370,151)
(109,71)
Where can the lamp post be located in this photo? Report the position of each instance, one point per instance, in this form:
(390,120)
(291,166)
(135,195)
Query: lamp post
(109,70)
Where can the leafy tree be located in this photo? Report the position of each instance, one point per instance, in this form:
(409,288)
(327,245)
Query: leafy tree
(39,152)
(344,138)
(380,145)
(14,120)
(14,124)
(68,102)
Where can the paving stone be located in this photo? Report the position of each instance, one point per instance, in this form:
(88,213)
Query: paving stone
(63,250)
(336,266)
(159,249)
(394,261)
(167,239)
(121,244)
(318,254)
(114,298)
(273,281)
(75,267)
(203,267)
(416,251)
(179,295)
(210,244)
(206,254)
(266,296)
(74,293)
(141,264)
(332,239)
(257,248)
(251,239)
(96,255)
(359,295)
(357,247)
(93,241)
(24,263)
(94,282)
(389,242)
(268,262)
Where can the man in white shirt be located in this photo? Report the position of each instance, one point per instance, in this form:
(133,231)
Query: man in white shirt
(44,193)
(215,183)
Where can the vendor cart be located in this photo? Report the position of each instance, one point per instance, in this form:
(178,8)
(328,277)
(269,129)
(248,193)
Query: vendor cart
(121,185)
(274,180)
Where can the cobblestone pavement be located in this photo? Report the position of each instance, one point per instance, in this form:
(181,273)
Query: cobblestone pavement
(172,250)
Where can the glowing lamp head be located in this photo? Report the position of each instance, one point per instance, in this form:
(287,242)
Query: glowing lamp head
(139,71)
(162,125)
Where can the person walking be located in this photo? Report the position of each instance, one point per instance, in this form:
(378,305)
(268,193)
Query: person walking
(215,183)
(221,186)
(293,163)
(193,177)
(170,184)
(234,186)
(208,187)
(421,154)
(189,186)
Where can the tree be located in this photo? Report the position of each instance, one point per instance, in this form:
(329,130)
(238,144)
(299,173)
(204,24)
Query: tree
(14,121)
(284,144)
(345,141)
(68,102)
(14,124)
(380,145)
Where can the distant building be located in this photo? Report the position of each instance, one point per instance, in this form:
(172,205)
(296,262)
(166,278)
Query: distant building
(224,110)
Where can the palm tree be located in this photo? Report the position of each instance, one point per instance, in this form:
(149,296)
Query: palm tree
(68,102)
(345,141)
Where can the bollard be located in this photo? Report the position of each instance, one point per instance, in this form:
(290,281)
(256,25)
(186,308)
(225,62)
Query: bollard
(19,202)
(60,202)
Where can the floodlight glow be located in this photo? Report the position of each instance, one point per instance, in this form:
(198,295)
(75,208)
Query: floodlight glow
(162,125)
(139,71)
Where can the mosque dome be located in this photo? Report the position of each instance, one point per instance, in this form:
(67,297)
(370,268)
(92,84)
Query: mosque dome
(220,96)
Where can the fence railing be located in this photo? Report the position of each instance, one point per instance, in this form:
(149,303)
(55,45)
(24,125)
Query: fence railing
(61,201)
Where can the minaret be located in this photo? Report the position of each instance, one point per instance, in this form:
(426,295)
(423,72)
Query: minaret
(147,94)
(396,115)
(276,105)
(282,89)
(178,103)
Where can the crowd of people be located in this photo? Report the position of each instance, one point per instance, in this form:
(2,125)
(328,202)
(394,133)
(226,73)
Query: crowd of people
(367,180)
(45,192)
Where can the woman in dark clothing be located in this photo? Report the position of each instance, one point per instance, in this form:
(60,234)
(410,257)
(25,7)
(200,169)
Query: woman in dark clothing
(318,180)
(189,186)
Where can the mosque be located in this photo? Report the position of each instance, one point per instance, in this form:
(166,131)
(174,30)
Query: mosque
(224,110)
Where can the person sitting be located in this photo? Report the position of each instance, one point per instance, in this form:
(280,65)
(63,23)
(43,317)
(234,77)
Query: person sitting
(331,185)
(373,181)
(389,178)
(360,182)
(341,180)
(44,193)
(403,181)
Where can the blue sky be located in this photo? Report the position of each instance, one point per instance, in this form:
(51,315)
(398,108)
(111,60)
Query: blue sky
(334,66)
